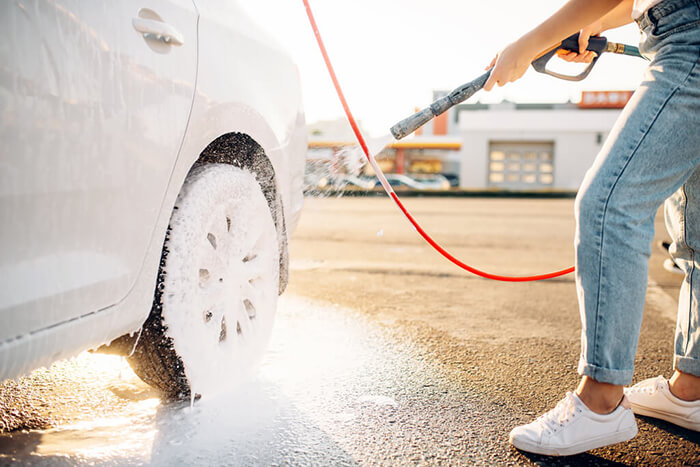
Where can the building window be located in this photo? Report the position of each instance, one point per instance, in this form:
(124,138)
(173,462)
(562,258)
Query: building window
(521,165)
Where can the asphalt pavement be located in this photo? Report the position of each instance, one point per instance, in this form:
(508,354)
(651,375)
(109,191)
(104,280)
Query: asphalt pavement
(383,354)
(512,346)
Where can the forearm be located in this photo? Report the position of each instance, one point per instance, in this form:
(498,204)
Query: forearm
(570,18)
(618,16)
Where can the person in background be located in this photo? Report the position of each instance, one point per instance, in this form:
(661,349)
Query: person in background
(651,155)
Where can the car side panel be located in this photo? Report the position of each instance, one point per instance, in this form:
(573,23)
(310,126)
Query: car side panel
(245,78)
(93,115)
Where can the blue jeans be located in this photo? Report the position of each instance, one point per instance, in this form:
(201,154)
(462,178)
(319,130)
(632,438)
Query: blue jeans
(652,153)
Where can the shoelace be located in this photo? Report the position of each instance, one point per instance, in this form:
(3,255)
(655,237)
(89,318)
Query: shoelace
(658,385)
(560,415)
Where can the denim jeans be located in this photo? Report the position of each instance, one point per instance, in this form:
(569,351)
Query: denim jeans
(652,153)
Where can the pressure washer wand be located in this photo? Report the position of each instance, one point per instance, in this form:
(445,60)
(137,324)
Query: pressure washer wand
(599,45)
(409,125)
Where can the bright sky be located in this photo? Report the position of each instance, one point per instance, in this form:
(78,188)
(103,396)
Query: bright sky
(389,55)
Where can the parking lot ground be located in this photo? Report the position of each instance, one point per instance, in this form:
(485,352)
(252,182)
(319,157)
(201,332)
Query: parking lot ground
(515,345)
(383,353)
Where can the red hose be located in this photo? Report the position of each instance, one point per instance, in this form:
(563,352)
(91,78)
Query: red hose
(393,195)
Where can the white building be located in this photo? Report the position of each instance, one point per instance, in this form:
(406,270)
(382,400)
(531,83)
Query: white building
(506,146)
(533,146)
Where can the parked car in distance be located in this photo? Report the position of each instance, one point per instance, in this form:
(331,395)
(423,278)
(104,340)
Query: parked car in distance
(432,181)
(400,181)
(151,172)
(353,182)
(452,178)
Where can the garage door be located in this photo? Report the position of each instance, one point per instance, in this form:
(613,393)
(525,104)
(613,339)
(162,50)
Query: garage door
(521,165)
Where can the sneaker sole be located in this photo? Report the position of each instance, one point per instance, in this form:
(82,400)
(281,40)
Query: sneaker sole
(619,437)
(671,418)
(671,267)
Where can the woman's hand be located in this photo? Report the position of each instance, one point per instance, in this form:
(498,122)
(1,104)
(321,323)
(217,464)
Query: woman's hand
(583,55)
(618,16)
(510,64)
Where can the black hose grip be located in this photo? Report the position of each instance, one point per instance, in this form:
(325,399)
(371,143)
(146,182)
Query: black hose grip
(408,125)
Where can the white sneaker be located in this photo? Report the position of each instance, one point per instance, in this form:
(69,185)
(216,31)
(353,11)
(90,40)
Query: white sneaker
(653,398)
(571,428)
(671,266)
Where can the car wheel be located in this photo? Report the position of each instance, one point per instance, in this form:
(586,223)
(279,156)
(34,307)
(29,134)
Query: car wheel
(217,286)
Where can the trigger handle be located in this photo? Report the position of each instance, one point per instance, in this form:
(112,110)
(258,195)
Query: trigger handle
(595,44)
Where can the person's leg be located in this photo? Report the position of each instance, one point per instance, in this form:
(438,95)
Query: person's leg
(677,400)
(650,153)
(682,212)
(685,386)
(600,397)
(615,228)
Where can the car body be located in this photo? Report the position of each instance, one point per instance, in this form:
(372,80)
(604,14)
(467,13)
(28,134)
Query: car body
(105,107)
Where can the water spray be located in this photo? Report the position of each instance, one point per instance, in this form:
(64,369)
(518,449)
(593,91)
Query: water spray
(410,124)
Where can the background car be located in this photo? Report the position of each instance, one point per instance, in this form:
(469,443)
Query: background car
(452,178)
(432,181)
(399,181)
(151,171)
(353,182)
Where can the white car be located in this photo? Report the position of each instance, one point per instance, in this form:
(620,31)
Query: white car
(151,171)
(401,182)
(432,181)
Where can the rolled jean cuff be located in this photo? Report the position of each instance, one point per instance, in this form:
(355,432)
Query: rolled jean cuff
(605,375)
(687,365)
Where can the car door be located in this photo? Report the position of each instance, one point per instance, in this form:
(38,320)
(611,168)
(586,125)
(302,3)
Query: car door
(94,102)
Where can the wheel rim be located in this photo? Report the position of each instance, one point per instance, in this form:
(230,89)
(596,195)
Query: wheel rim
(222,278)
(230,279)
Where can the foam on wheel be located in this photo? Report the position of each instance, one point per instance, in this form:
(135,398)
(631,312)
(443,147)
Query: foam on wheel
(217,288)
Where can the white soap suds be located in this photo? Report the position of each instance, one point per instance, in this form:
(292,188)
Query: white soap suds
(221,277)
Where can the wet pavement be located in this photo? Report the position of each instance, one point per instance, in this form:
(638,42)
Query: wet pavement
(382,353)
(334,389)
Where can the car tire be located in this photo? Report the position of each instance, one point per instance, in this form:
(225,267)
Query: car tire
(217,287)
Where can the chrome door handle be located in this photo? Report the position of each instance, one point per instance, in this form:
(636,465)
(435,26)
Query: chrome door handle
(158,30)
